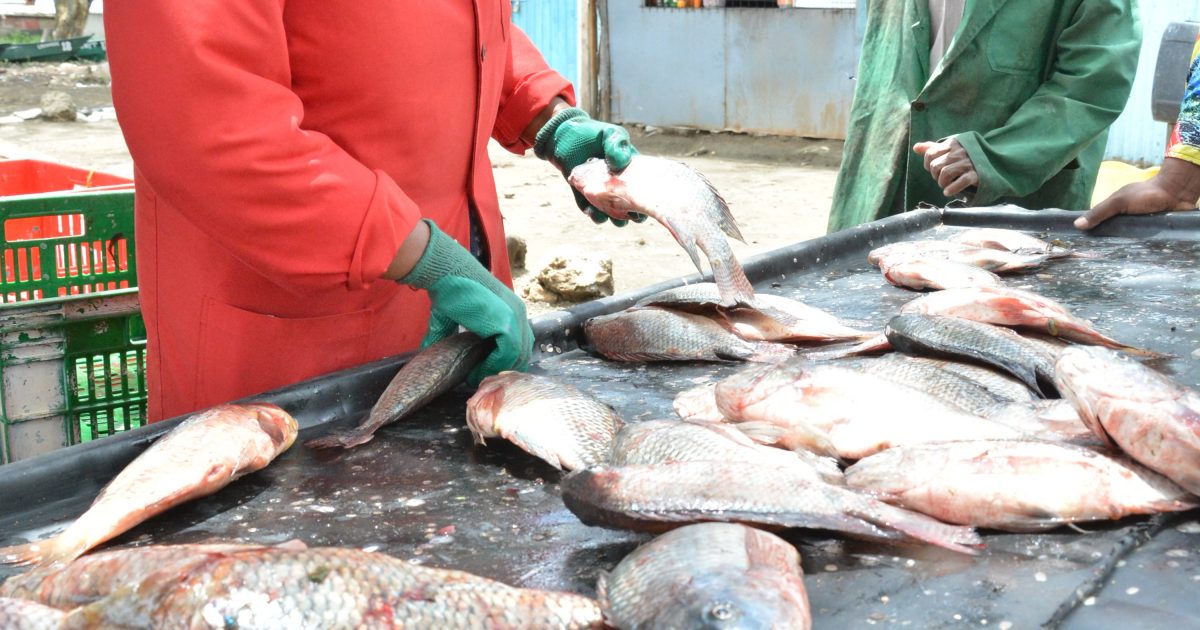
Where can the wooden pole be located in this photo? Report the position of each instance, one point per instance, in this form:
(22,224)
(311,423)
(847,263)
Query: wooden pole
(585,88)
(603,63)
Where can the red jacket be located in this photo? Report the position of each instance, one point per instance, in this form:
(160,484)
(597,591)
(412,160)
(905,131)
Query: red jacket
(283,150)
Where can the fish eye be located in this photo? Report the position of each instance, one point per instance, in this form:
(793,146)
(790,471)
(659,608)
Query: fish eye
(722,611)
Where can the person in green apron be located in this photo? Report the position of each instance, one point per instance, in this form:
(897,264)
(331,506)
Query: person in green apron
(1176,186)
(989,101)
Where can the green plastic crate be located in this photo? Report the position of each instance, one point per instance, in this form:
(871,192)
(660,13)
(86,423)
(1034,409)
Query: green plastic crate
(72,339)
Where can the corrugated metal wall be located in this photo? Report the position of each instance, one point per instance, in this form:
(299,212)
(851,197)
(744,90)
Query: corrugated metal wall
(1136,137)
(553,25)
(764,70)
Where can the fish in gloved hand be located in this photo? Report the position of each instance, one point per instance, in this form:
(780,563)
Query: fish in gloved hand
(681,199)
(549,419)
(198,457)
(709,575)
(429,374)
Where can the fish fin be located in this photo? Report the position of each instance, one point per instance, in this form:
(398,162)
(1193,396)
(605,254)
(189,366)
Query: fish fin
(340,439)
(920,527)
(732,283)
(294,544)
(762,432)
(767,352)
(538,449)
(43,553)
(723,217)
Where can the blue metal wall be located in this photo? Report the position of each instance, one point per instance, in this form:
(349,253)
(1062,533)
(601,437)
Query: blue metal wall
(1136,137)
(553,25)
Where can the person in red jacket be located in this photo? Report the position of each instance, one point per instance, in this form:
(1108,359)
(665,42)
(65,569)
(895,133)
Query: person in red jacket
(293,157)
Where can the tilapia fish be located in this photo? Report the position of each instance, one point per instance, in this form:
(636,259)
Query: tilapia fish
(709,575)
(1150,417)
(327,588)
(198,457)
(662,441)
(843,412)
(770,318)
(678,197)
(1015,485)
(1015,307)
(546,418)
(97,575)
(923,274)
(20,614)
(964,339)
(429,374)
(994,260)
(656,334)
(665,496)
(1009,240)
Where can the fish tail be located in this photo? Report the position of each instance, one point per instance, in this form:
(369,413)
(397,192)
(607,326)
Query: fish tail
(732,283)
(340,439)
(918,526)
(1083,333)
(41,553)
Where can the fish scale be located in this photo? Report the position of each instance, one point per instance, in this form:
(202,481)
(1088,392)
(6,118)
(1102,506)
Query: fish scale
(656,334)
(20,614)
(329,588)
(709,575)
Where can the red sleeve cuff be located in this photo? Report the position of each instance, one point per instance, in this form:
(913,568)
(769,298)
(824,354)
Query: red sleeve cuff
(389,219)
(531,95)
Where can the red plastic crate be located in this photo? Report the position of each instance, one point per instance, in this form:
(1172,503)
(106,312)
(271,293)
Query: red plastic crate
(32,177)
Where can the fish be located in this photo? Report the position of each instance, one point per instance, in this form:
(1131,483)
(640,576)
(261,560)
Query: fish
(427,375)
(201,455)
(683,201)
(21,614)
(1016,308)
(698,404)
(327,587)
(97,575)
(822,407)
(769,318)
(1015,485)
(662,497)
(544,417)
(657,334)
(1001,385)
(708,575)
(924,274)
(958,338)
(1153,419)
(996,261)
(1009,240)
(663,441)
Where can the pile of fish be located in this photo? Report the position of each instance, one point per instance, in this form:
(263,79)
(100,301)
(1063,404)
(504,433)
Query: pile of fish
(971,258)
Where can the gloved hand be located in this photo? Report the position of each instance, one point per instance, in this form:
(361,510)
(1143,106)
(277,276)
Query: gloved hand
(464,293)
(571,137)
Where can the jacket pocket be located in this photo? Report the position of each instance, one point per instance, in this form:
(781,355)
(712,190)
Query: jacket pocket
(244,353)
(1015,42)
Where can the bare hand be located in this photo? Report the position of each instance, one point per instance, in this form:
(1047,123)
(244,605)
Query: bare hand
(949,164)
(1176,187)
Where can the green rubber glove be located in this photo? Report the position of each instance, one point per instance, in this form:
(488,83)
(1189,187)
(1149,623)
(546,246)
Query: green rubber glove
(465,294)
(571,137)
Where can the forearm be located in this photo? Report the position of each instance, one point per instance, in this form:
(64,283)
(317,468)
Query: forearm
(1181,179)
(410,252)
(539,121)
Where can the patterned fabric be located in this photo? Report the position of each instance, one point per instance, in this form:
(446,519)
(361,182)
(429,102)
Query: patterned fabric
(1185,141)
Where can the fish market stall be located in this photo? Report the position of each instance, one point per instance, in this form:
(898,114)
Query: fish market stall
(421,491)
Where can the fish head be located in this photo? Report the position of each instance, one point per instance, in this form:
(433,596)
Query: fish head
(483,407)
(278,424)
(1098,381)
(736,600)
(605,190)
(758,385)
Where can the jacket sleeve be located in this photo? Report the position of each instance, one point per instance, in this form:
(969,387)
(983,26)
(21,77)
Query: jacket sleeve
(1185,140)
(529,86)
(1096,57)
(202,91)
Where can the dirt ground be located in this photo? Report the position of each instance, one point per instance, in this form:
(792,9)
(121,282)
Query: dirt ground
(779,189)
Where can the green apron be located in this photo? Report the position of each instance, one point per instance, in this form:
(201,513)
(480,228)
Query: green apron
(1029,88)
